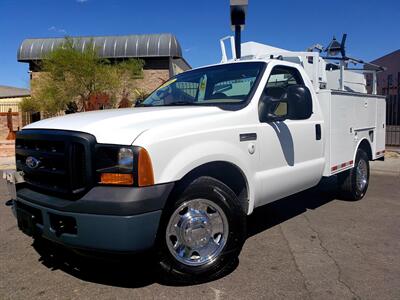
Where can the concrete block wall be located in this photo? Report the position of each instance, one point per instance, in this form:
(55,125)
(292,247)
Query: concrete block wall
(7,149)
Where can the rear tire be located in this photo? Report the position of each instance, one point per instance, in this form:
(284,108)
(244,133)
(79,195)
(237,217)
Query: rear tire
(353,183)
(201,233)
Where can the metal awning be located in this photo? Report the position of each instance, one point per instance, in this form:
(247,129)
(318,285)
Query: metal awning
(141,46)
(13,92)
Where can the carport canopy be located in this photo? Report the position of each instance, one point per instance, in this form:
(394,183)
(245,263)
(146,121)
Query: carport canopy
(111,47)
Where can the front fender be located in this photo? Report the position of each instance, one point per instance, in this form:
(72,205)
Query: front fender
(177,164)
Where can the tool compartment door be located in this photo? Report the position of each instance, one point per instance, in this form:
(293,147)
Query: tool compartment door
(354,117)
(343,120)
(380,127)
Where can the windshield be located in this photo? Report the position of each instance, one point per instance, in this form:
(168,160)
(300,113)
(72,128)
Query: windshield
(222,84)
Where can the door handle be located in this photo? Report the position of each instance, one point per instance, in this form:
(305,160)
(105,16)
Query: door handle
(318,132)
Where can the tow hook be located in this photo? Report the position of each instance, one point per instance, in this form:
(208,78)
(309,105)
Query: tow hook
(60,228)
(63,224)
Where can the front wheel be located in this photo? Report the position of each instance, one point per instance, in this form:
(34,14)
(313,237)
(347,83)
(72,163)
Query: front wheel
(201,234)
(353,184)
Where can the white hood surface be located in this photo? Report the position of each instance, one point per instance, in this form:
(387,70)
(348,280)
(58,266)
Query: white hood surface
(123,126)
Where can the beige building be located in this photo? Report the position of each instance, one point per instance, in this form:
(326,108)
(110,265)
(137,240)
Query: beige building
(161,53)
(10,97)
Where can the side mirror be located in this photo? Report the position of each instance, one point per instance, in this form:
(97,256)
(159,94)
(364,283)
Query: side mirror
(295,104)
(299,102)
(271,109)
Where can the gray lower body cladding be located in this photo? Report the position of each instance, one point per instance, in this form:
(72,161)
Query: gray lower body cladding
(112,219)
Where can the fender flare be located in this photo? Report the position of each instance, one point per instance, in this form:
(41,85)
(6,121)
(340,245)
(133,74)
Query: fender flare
(370,155)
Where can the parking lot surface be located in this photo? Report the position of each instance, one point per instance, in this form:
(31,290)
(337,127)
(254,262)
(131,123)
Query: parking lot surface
(308,246)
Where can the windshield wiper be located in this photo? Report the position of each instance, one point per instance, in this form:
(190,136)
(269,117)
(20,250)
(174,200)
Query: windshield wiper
(143,105)
(177,103)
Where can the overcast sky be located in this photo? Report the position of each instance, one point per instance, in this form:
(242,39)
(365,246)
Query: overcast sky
(373,27)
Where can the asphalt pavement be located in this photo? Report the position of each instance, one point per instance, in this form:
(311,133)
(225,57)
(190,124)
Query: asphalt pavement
(308,246)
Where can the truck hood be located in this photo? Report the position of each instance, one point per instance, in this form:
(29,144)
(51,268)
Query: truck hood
(123,126)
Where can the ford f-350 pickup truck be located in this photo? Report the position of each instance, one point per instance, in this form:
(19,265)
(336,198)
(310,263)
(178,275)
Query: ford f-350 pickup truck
(181,172)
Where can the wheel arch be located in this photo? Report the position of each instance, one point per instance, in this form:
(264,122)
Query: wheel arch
(226,172)
(365,145)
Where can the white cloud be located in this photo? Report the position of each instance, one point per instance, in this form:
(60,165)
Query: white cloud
(56,29)
(189,49)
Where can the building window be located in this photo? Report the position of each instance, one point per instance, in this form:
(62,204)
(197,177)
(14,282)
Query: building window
(390,80)
(398,79)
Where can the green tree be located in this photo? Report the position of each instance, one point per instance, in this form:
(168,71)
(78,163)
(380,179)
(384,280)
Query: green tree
(72,75)
(127,71)
(29,104)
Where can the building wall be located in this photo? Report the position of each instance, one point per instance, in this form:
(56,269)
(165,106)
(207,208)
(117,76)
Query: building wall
(389,80)
(33,77)
(152,79)
(7,103)
(389,85)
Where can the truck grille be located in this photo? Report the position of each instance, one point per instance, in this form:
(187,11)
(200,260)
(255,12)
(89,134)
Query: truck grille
(55,161)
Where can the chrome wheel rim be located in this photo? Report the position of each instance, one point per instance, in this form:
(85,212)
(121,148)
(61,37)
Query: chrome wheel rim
(197,232)
(361,175)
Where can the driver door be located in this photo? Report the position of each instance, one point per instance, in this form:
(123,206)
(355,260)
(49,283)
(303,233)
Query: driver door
(291,157)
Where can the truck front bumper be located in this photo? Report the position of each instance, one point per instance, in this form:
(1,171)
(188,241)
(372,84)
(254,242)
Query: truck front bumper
(110,219)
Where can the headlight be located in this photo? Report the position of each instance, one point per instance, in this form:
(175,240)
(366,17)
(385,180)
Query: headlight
(114,165)
(125,159)
(123,165)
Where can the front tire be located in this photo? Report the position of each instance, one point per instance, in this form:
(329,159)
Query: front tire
(353,184)
(201,233)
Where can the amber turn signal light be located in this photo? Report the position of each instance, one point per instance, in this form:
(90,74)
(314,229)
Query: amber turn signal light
(145,169)
(115,178)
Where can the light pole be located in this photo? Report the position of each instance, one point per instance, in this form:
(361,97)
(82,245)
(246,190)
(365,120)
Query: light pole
(238,19)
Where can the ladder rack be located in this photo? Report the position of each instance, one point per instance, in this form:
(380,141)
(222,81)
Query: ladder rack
(338,78)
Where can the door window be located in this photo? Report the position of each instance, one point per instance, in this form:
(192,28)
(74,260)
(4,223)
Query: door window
(280,79)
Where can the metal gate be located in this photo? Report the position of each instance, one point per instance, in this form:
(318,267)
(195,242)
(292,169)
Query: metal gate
(26,117)
(393,118)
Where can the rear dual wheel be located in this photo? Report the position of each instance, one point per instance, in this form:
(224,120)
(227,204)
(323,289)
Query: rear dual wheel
(201,234)
(353,184)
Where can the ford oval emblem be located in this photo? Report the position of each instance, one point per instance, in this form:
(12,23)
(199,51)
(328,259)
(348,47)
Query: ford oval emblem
(32,162)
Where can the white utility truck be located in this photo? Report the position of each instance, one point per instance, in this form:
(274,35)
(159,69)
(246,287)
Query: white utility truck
(181,172)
